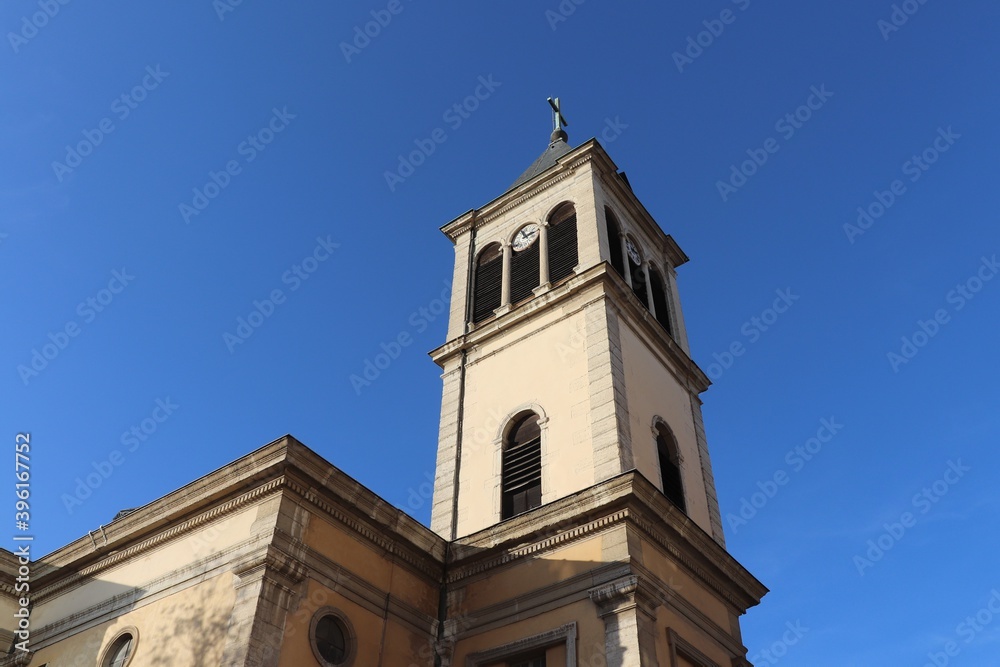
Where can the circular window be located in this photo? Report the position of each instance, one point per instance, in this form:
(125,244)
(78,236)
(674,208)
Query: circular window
(332,638)
(121,649)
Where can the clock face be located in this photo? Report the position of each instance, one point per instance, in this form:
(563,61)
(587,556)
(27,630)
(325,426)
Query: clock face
(524,238)
(633,252)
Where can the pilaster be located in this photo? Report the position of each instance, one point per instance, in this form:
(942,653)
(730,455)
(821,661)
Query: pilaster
(629,614)
(266,588)
(612,441)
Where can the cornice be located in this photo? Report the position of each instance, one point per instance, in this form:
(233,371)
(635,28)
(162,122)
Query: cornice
(565,167)
(686,370)
(693,547)
(253,468)
(607,171)
(104,563)
(383,537)
(626,499)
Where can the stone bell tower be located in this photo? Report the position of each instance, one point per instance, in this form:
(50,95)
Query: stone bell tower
(565,303)
(568,387)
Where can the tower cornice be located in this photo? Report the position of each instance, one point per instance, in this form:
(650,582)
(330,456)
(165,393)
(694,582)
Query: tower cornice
(590,151)
(689,373)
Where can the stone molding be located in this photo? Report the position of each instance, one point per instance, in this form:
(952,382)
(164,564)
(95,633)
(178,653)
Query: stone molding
(678,646)
(423,563)
(628,498)
(624,304)
(674,600)
(89,571)
(17,659)
(276,567)
(566,167)
(628,592)
(258,467)
(565,634)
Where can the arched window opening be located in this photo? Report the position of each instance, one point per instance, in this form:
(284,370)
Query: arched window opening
(660,299)
(521,484)
(670,467)
(524,273)
(563,253)
(638,275)
(614,242)
(488,281)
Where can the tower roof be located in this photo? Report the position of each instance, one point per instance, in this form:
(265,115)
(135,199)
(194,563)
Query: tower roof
(557,148)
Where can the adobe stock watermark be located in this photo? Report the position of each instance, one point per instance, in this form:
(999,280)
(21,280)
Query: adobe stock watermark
(972,626)
(418,322)
(248,149)
(30,25)
(786,126)
(914,168)
(778,649)
(562,12)
(923,502)
(364,34)
(294,277)
(753,329)
(131,440)
(697,44)
(796,459)
(223,7)
(957,298)
(86,311)
(122,107)
(900,16)
(454,116)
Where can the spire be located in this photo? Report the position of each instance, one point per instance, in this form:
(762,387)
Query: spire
(557,146)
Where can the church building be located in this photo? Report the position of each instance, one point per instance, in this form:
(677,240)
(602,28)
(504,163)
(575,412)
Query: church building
(574,521)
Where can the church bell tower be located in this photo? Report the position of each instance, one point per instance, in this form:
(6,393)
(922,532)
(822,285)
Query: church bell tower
(567,380)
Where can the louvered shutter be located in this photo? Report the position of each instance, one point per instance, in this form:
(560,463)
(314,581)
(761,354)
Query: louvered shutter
(488,283)
(670,472)
(615,243)
(521,483)
(524,273)
(660,300)
(563,255)
(639,283)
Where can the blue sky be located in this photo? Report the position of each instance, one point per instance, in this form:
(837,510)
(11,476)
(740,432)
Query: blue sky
(250,141)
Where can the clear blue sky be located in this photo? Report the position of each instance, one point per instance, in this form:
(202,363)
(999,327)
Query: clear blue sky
(337,119)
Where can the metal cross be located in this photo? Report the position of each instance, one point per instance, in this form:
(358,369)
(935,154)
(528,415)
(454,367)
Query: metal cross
(558,121)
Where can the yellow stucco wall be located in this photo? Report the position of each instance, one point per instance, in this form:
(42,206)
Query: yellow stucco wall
(496,387)
(651,390)
(186,628)
(362,559)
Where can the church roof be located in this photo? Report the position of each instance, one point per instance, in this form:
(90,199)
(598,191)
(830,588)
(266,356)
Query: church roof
(557,148)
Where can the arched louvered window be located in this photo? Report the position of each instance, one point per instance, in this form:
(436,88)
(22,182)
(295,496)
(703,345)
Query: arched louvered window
(638,276)
(521,484)
(563,254)
(487,282)
(670,467)
(524,273)
(660,299)
(614,242)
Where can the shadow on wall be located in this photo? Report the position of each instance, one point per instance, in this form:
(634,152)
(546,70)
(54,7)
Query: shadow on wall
(184,628)
(533,605)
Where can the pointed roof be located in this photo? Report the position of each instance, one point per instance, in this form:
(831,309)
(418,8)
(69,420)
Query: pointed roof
(557,148)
